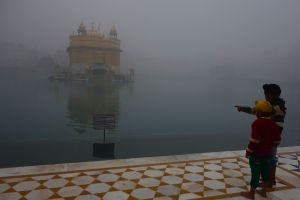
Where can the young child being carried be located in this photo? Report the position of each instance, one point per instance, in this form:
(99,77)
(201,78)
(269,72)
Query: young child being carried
(264,136)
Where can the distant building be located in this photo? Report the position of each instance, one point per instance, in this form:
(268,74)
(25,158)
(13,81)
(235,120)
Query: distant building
(90,51)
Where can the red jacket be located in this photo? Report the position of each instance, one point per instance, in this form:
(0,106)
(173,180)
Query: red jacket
(265,135)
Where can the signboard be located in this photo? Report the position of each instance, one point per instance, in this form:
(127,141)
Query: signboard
(103,121)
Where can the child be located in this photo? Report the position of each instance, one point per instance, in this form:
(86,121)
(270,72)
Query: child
(272,94)
(265,135)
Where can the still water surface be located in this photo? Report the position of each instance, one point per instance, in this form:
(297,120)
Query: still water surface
(46,121)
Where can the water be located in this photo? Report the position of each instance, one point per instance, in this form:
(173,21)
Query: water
(46,121)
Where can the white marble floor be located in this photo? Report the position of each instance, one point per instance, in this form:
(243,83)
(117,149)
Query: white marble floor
(220,175)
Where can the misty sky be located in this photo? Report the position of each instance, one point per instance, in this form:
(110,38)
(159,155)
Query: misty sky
(169,28)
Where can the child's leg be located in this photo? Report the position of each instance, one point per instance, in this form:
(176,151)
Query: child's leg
(265,172)
(255,166)
(255,174)
(265,169)
(272,171)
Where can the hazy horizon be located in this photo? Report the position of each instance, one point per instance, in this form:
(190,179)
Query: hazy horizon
(231,29)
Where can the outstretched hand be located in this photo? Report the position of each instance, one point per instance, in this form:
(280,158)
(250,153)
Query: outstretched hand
(239,108)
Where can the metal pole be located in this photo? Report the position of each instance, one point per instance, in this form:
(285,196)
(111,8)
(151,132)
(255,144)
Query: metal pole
(104,137)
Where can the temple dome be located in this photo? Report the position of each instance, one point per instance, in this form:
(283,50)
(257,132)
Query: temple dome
(93,31)
(113,31)
(81,28)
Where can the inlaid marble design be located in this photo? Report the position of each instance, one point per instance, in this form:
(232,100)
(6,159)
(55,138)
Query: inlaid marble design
(207,178)
(290,162)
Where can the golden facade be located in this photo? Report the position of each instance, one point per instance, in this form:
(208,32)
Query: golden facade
(90,47)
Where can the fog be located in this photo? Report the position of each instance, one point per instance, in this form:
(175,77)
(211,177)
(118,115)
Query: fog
(166,33)
(193,59)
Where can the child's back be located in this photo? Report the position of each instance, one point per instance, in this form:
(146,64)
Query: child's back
(265,135)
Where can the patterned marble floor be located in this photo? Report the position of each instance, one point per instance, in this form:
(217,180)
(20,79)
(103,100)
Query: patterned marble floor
(203,178)
(290,162)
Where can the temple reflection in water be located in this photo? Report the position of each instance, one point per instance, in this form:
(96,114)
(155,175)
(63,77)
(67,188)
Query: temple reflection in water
(85,100)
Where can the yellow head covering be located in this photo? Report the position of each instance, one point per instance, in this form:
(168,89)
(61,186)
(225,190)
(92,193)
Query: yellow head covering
(263,106)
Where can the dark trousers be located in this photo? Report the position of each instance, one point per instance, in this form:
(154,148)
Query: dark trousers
(260,166)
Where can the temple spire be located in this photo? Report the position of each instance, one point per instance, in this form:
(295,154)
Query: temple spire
(98,28)
(81,29)
(113,32)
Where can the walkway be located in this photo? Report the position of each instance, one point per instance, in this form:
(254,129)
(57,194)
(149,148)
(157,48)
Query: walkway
(220,175)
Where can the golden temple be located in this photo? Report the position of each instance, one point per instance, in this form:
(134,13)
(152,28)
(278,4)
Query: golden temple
(91,52)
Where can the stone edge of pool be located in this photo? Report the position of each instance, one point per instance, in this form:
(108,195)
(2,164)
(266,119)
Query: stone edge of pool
(65,167)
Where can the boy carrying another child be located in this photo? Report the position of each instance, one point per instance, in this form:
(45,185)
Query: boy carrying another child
(265,135)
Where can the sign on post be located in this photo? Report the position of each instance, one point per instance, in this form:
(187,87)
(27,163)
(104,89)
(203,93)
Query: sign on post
(104,121)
